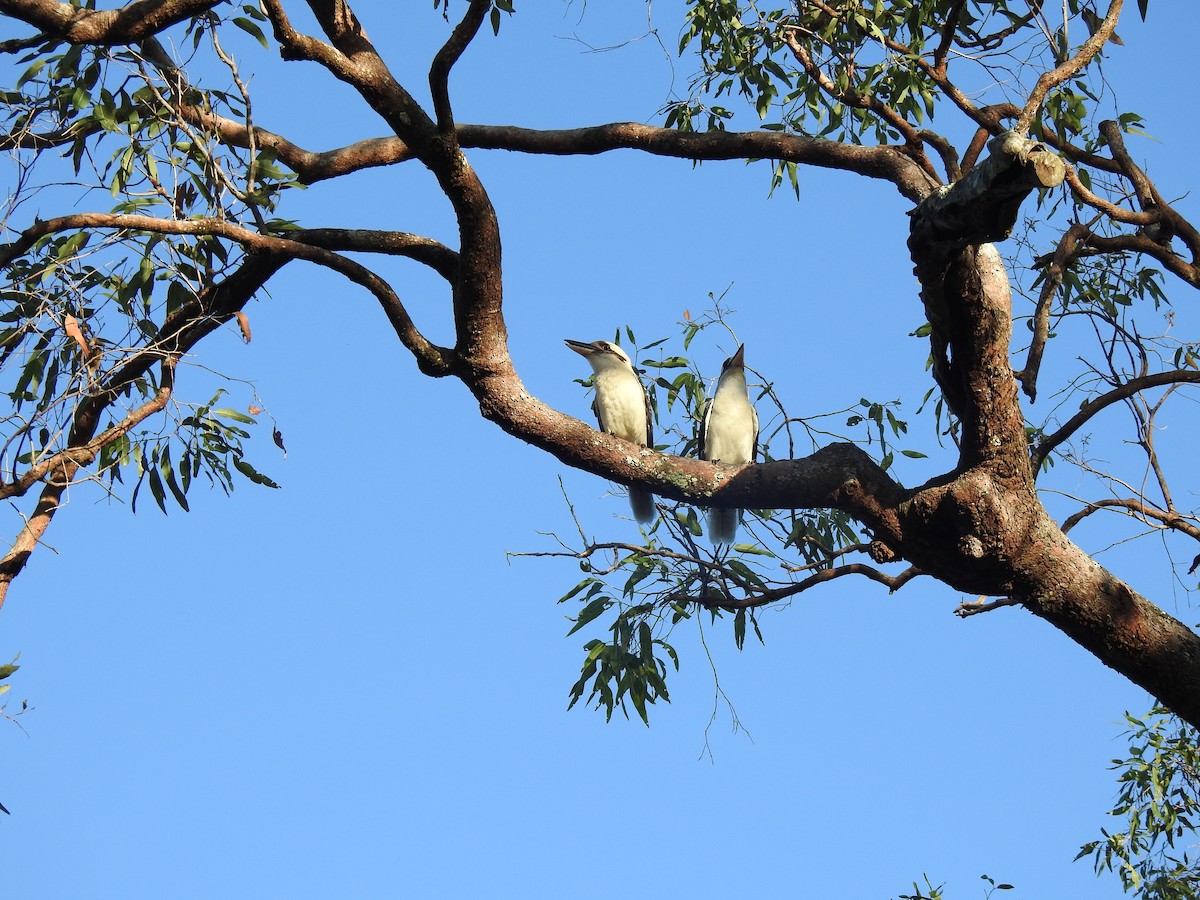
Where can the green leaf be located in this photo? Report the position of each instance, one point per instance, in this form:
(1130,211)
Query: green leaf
(590,612)
(253,474)
(752,549)
(579,587)
(673,362)
(251,29)
(156,488)
(31,72)
(227,413)
(172,484)
(7,669)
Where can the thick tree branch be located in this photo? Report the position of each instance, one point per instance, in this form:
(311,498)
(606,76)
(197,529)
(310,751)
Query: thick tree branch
(1059,582)
(966,291)
(983,205)
(350,57)
(886,163)
(128,24)
(477,295)
(838,476)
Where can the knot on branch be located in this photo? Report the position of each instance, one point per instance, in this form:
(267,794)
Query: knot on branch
(881,552)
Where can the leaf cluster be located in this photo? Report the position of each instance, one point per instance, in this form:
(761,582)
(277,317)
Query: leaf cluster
(1159,803)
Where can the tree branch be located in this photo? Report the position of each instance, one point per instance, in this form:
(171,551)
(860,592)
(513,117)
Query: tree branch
(443,62)
(1056,76)
(61,468)
(424,250)
(1138,508)
(432,359)
(1166,221)
(983,205)
(128,24)
(865,100)
(886,163)
(1052,277)
(764,598)
(1094,406)
(80,455)
(976,607)
(966,290)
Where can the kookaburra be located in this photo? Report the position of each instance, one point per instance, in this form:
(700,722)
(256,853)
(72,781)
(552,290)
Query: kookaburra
(622,407)
(728,434)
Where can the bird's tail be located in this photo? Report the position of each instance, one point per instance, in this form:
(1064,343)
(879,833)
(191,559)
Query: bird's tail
(722,525)
(643,505)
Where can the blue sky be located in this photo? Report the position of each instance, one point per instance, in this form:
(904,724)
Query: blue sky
(345,687)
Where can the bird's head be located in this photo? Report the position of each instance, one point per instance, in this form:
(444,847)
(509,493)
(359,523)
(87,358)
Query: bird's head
(602,355)
(737,361)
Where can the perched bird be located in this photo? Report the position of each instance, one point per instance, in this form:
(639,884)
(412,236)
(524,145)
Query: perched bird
(622,407)
(728,434)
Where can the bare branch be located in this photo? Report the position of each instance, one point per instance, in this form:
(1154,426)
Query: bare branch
(1111,210)
(1166,221)
(1092,407)
(1141,510)
(424,250)
(886,163)
(983,205)
(439,71)
(949,29)
(1052,277)
(1143,243)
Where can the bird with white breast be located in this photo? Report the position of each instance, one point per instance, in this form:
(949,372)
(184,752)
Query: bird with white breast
(622,407)
(729,435)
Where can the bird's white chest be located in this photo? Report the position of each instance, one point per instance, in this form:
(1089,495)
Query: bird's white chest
(621,405)
(732,425)
(730,437)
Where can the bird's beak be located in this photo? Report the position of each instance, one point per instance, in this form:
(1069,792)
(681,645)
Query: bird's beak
(738,359)
(580,347)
